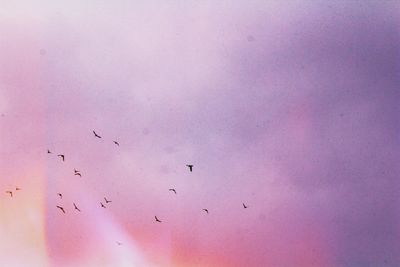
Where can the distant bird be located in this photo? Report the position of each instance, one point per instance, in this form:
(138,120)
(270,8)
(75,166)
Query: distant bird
(115,142)
(107,201)
(48,151)
(118,243)
(250,38)
(173,190)
(17,188)
(102,205)
(96,135)
(61,156)
(60,195)
(206,210)
(9,192)
(77,173)
(157,220)
(244,206)
(190,167)
(61,208)
(76,207)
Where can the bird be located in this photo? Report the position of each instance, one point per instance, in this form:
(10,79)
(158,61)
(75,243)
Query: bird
(115,142)
(96,135)
(61,156)
(48,151)
(206,210)
(173,190)
(76,207)
(157,220)
(59,194)
(190,167)
(244,206)
(102,205)
(118,243)
(77,173)
(9,192)
(107,201)
(17,188)
(61,208)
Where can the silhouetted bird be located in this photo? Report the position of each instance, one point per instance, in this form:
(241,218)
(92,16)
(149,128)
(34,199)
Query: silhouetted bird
(115,142)
(190,167)
(60,195)
(206,210)
(77,173)
(62,157)
(118,243)
(9,192)
(173,190)
(102,205)
(61,208)
(17,188)
(107,201)
(48,151)
(244,206)
(157,220)
(76,207)
(96,135)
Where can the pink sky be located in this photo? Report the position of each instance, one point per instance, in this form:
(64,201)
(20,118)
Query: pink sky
(289,108)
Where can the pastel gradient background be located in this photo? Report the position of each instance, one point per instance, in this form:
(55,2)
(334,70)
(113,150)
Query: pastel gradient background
(292,107)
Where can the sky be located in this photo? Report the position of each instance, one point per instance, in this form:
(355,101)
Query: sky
(291,107)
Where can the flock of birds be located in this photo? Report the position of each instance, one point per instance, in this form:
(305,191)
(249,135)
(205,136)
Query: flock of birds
(106,201)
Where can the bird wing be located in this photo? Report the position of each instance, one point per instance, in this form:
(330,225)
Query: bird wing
(61,208)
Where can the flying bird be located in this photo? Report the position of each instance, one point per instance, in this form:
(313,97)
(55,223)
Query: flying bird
(115,142)
(61,208)
(157,220)
(190,167)
(60,195)
(48,151)
(61,156)
(77,173)
(244,206)
(173,190)
(102,205)
(118,243)
(206,210)
(9,192)
(107,201)
(76,207)
(96,135)
(17,188)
